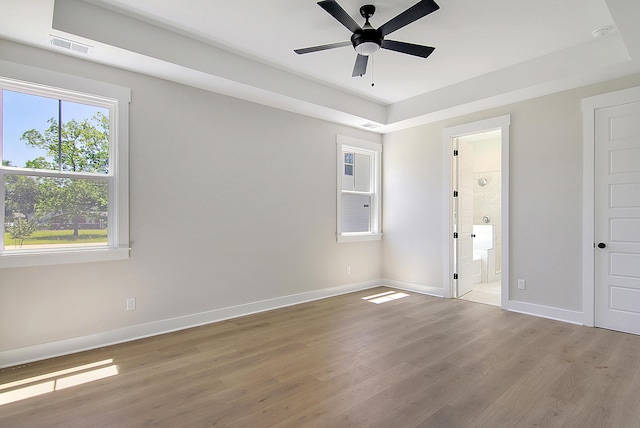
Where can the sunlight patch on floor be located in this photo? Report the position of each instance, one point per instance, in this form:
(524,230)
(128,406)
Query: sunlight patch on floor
(55,381)
(385,297)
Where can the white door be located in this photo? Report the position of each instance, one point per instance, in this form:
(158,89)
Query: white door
(617,218)
(463,215)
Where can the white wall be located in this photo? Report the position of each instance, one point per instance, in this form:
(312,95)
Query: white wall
(231,203)
(486,199)
(545,198)
(411,213)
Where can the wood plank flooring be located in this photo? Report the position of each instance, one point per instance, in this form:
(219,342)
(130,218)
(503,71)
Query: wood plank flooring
(416,361)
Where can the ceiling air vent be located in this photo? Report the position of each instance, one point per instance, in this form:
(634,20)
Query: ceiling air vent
(370,125)
(70,45)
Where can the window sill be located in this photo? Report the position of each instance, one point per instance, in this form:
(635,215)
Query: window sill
(26,258)
(359,237)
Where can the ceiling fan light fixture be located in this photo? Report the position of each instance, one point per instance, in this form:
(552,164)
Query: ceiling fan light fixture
(366,41)
(367,48)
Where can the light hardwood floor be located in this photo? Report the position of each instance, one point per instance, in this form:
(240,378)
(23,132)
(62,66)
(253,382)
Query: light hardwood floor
(416,361)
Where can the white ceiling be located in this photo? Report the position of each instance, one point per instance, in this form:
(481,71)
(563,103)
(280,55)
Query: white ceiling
(487,53)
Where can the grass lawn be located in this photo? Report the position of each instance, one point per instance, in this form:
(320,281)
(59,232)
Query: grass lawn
(60,237)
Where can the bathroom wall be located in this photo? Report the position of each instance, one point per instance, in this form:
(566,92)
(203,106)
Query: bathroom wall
(486,199)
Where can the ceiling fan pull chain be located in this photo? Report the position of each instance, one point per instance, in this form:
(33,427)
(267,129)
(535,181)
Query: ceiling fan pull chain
(373,63)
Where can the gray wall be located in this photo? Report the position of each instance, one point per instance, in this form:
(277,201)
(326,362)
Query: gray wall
(545,197)
(231,203)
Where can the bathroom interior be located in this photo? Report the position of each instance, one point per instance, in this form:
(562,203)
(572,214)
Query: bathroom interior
(486,218)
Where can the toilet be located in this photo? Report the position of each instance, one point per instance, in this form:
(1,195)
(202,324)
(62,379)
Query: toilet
(484,252)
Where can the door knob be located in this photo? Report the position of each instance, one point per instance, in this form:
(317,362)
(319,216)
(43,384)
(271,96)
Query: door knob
(602,245)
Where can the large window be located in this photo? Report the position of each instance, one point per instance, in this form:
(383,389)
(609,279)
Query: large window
(358,190)
(63,175)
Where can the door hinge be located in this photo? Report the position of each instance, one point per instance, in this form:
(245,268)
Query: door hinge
(455,276)
(455,152)
(455,193)
(455,235)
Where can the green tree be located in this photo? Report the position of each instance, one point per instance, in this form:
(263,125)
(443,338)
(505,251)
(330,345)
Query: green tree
(80,147)
(21,229)
(68,201)
(21,193)
(77,147)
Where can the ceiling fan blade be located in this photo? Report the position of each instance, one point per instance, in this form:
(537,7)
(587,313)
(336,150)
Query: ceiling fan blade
(415,12)
(338,13)
(408,48)
(360,68)
(321,47)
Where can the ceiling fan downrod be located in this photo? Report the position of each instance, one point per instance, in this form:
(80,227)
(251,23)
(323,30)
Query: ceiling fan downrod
(368,40)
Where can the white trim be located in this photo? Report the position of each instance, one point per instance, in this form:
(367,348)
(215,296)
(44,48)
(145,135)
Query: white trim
(589,107)
(504,213)
(448,134)
(565,315)
(358,237)
(447,207)
(74,255)
(358,144)
(27,354)
(588,214)
(367,147)
(27,74)
(416,288)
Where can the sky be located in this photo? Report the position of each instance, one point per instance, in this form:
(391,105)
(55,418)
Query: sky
(22,112)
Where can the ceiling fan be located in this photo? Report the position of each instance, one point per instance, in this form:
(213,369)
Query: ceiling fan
(367,40)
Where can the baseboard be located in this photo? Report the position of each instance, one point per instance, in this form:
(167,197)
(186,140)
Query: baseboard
(542,311)
(28,354)
(416,288)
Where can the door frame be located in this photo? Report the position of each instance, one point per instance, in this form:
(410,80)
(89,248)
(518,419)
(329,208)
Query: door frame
(589,107)
(448,135)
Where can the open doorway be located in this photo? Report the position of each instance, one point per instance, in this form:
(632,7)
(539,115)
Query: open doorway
(477,156)
(478,169)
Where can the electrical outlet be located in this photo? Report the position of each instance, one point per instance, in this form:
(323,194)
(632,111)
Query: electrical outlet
(131,303)
(348,269)
(522,285)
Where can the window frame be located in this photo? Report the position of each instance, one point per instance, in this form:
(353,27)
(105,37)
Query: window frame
(39,82)
(348,144)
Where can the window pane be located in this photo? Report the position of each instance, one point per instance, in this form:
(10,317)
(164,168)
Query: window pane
(348,158)
(363,172)
(32,138)
(22,113)
(85,140)
(356,213)
(43,212)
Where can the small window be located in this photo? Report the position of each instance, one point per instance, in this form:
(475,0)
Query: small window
(358,190)
(63,182)
(348,164)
